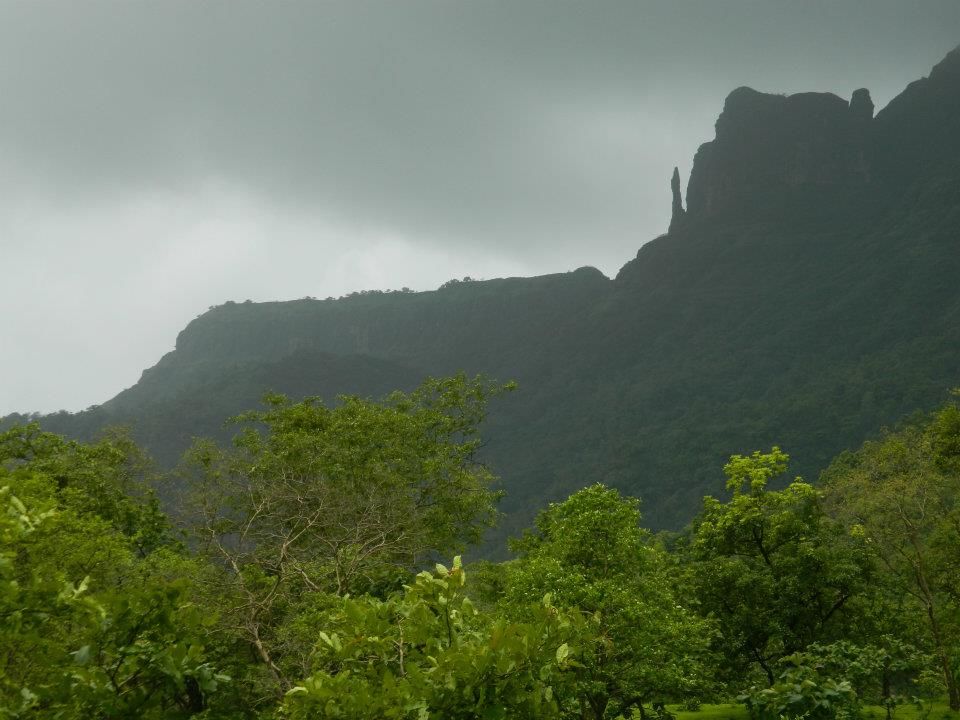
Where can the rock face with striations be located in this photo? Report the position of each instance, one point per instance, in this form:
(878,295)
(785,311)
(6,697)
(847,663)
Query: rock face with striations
(780,146)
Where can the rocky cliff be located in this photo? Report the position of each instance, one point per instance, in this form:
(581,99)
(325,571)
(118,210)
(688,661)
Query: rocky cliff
(780,146)
(812,148)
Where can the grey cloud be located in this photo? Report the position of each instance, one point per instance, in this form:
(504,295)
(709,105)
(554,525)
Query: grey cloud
(508,136)
(453,120)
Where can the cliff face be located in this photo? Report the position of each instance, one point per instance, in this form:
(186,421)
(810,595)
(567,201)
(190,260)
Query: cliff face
(774,145)
(815,148)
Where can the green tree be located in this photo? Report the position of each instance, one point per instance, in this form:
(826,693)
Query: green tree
(900,494)
(319,500)
(88,627)
(775,571)
(590,553)
(427,653)
(110,479)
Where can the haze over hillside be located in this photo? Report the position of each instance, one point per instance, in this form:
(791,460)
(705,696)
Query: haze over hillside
(806,294)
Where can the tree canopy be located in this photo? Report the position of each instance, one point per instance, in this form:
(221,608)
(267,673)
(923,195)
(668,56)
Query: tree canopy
(307,583)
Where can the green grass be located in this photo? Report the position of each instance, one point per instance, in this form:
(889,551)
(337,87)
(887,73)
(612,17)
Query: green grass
(732,711)
(939,711)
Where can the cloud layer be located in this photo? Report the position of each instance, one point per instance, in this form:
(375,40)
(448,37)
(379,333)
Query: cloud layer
(157,158)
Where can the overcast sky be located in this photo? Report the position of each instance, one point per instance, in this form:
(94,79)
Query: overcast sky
(160,157)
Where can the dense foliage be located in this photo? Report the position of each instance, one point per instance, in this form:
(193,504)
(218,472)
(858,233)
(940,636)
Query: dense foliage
(95,622)
(428,652)
(304,582)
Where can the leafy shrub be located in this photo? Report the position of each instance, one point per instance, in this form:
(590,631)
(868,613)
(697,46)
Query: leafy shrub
(427,652)
(803,691)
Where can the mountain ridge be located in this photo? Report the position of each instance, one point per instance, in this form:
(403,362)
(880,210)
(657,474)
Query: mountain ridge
(805,295)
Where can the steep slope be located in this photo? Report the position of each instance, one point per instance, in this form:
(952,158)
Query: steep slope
(806,296)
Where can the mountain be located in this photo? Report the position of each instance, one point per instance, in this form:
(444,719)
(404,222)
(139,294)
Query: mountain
(806,294)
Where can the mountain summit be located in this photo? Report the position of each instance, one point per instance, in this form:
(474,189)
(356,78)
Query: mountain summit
(774,147)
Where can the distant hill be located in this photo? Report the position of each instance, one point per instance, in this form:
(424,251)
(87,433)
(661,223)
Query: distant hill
(808,294)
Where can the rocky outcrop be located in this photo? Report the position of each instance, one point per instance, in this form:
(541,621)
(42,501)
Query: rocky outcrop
(861,106)
(677,213)
(776,145)
(813,149)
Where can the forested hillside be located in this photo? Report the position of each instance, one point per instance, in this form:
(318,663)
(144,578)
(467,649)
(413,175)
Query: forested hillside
(807,295)
(291,582)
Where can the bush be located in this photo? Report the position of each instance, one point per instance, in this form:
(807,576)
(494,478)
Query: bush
(803,691)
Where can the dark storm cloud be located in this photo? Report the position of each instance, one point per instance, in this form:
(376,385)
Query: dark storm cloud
(492,122)
(211,149)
